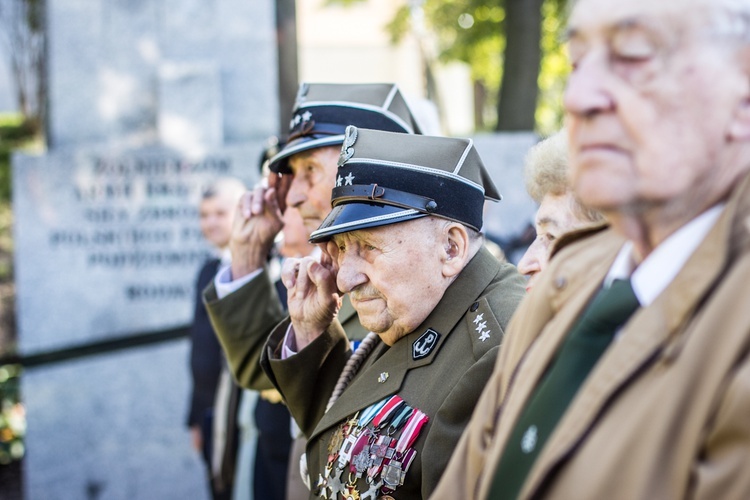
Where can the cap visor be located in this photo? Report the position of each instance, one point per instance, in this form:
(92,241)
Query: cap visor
(280,162)
(355,216)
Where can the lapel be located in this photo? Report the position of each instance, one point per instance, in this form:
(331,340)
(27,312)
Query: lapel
(397,360)
(653,331)
(573,284)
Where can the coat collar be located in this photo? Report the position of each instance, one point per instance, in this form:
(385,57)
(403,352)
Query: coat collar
(654,334)
(369,387)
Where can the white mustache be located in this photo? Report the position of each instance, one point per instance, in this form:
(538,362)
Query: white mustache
(364,293)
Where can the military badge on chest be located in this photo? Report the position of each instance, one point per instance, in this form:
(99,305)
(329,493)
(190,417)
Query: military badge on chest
(366,447)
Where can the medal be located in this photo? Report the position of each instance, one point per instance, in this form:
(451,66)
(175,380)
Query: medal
(322,485)
(346,449)
(350,492)
(372,491)
(335,484)
(320,488)
(336,441)
(362,461)
(361,454)
(381,451)
(394,472)
(393,476)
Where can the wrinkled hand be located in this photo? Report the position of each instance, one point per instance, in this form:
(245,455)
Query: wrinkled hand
(313,300)
(256,224)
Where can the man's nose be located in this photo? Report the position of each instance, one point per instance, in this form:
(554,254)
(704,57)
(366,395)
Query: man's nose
(350,272)
(586,92)
(530,263)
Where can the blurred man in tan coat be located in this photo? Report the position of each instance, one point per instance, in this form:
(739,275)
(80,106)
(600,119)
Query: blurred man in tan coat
(626,371)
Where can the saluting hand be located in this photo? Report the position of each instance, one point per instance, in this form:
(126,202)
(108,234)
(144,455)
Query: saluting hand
(256,223)
(313,298)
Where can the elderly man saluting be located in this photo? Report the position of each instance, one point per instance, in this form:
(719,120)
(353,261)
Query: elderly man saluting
(607,390)
(403,241)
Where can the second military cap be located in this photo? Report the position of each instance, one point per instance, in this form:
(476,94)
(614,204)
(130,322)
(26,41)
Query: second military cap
(384,178)
(324,110)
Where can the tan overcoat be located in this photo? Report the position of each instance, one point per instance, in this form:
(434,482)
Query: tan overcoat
(665,414)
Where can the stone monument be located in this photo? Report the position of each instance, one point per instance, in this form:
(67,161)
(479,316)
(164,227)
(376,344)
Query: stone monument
(149,100)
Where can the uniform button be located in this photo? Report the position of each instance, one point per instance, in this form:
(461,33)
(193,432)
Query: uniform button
(474,306)
(561,282)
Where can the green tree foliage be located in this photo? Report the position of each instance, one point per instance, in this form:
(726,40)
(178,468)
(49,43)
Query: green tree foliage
(474,32)
(22,32)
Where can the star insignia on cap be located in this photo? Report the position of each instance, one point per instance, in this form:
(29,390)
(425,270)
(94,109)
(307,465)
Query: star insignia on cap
(349,179)
(339,180)
(297,119)
(306,116)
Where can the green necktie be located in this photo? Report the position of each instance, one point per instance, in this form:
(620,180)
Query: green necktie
(582,348)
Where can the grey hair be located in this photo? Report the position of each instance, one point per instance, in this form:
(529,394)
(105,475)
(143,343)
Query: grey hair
(546,167)
(546,172)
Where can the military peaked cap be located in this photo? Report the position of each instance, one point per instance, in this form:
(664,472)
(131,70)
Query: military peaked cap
(385,178)
(324,110)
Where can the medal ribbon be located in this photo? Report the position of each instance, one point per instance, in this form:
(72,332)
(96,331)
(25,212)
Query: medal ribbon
(398,420)
(387,410)
(411,431)
(395,424)
(408,459)
(370,413)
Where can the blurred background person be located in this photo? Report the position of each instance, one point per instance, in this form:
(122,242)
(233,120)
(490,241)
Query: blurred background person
(546,175)
(217,207)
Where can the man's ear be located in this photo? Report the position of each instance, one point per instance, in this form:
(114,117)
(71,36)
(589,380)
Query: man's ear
(457,249)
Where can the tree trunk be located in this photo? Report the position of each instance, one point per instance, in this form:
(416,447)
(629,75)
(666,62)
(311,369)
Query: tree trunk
(286,28)
(519,87)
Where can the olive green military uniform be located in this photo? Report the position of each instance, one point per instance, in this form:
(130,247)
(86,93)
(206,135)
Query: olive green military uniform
(443,379)
(244,319)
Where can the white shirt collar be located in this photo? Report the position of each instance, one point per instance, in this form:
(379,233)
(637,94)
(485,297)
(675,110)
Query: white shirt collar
(225,256)
(662,265)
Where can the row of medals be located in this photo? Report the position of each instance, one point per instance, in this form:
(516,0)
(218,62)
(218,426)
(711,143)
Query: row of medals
(386,468)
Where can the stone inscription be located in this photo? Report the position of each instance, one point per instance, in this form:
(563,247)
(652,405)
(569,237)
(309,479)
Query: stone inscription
(140,214)
(114,238)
